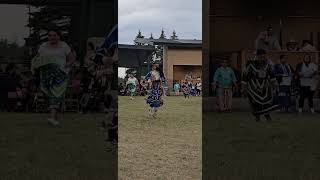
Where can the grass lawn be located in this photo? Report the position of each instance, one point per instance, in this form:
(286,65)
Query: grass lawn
(237,147)
(30,149)
(168,147)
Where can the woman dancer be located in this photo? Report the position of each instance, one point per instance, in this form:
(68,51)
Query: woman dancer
(132,85)
(186,90)
(258,80)
(53,61)
(155,78)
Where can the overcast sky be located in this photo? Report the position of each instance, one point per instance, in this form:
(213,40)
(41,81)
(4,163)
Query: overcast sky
(150,16)
(13,19)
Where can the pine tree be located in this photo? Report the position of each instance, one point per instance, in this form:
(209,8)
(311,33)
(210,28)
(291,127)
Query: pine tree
(139,35)
(162,35)
(151,36)
(174,35)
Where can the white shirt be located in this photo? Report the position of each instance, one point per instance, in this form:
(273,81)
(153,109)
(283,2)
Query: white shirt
(59,53)
(199,86)
(307,78)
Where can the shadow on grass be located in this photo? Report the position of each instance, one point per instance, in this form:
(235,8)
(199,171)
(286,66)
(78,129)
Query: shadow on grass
(237,147)
(31,149)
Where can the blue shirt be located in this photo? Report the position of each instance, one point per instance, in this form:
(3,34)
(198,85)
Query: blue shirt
(176,86)
(224,77)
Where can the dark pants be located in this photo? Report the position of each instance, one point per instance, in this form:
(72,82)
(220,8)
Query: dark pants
(305,92)
(284,96)
(198,92)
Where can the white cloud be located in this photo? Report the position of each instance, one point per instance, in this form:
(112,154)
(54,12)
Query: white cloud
(184,16)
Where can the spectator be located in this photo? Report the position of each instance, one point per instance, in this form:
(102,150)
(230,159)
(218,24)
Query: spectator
(76,84)
(144,86)
(292,45)
(307,46)
(306,72)
(121,89)
(90,55)
(176,88)
(284,74)
(13,84)
(224,78)
(188,77)
(267,41)
(199,87)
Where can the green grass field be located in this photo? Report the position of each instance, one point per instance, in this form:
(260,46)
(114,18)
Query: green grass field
(236,147)
(30,149)
(168,147)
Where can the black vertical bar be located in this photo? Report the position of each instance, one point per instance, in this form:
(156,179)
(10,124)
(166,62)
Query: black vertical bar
(148,62)
(280,36)
(318,41)
(311,38)
(85,23)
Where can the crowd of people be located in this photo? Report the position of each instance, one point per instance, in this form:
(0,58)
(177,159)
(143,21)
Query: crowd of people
(267,41)
(134,87)
(187,88)
(269,86)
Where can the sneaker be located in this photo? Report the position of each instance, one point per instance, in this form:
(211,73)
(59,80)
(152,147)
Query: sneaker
(53,122)
(300,110)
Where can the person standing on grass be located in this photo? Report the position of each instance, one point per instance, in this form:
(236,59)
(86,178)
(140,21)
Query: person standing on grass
(53,62)
(155,78)
(223,80)
(307,72)
(199,87)
(258,82)
(176,88)
(284,74)
(132,84)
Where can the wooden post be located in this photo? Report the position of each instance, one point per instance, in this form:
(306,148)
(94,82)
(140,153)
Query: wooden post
(83,35)
(206,47)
